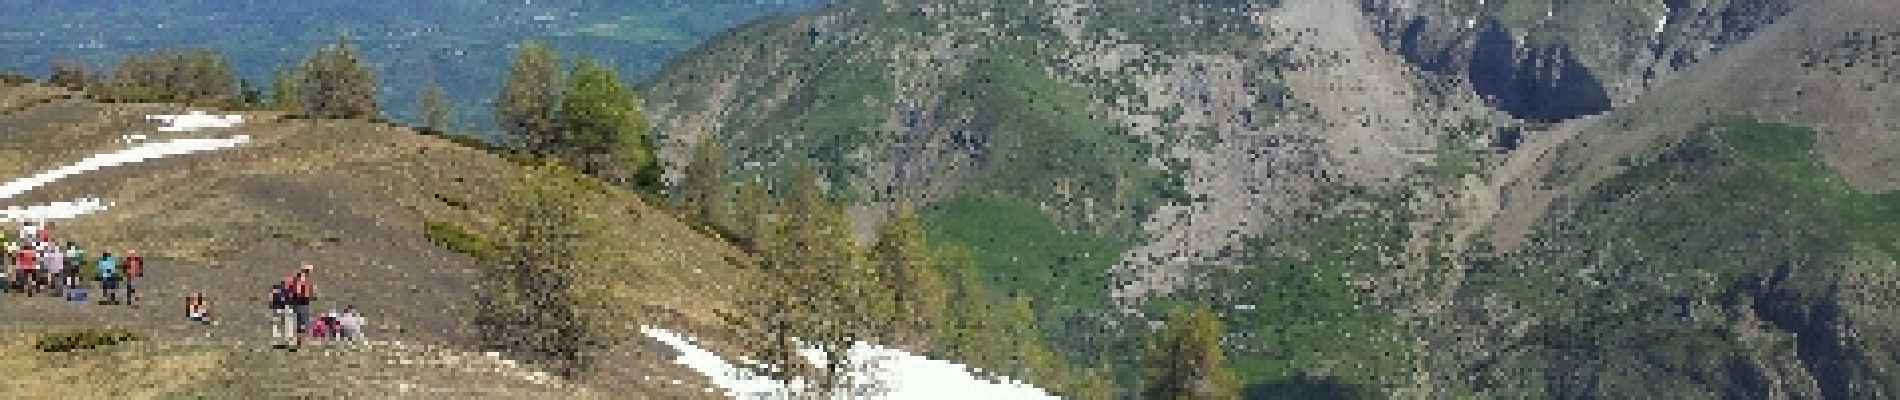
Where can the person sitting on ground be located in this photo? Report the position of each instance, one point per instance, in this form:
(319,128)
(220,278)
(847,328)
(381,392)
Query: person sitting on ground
(328,326)
(197,309)
(351,324)
(108,277)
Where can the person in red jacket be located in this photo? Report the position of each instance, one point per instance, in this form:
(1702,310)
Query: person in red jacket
(301,292)
(134,269)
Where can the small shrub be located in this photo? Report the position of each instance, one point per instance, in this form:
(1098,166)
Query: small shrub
(85,339)
(457,239)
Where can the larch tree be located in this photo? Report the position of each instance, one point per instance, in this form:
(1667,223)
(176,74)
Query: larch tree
(1185,361)
(284,95)
(527,109)
(434,107)
(335,83)
(702,189)
(914,282)
(605,131)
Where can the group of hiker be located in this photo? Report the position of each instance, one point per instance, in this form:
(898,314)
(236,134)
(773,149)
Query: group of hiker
(36,263)
(290,301)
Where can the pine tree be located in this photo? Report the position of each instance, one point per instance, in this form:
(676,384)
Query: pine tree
(750,207)
(251,96)
(1186,360)
(284,93)
(605,130)
(70,74)
(530,97)
(703,188)
(1092,384)
(434,108)
(336,84)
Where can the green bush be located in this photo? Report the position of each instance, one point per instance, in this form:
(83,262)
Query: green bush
(85,339)
(457,239)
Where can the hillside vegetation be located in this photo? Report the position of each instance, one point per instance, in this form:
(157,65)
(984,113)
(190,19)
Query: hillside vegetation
(367,203)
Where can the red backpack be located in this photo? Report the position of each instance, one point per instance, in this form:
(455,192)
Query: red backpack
(299,286)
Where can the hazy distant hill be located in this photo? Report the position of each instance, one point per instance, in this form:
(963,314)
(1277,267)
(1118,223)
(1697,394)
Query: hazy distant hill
(461,44)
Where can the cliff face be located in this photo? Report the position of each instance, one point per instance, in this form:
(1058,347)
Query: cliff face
(1554,60)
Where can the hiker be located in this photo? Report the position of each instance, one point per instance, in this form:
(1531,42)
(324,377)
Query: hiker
(197,309)
(134,269)
(283,320)
(108,278)
(325,326)
(69,272)
(351,324)
(51,269)
(29,264)
(301,292)
(7,264)
(28,230)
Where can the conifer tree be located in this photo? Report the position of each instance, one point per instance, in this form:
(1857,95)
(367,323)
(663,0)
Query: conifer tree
(251,96)
(1185,361)
(751,209)
(530,98)
(434,108)
(703,188)
(70,74)
(605,131)
(284,94)
(915,283)
(334,83)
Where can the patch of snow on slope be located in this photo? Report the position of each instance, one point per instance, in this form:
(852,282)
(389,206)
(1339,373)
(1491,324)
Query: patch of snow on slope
(893,373)
(53,211)
(71,209)
(135,154)
(195,120)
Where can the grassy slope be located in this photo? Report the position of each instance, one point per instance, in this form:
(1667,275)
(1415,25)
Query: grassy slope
(353,197)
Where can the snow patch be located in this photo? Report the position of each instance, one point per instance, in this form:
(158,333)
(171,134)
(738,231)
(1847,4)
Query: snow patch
(881,372)
(53,211)
(135,154)
(72,209)
(195,120)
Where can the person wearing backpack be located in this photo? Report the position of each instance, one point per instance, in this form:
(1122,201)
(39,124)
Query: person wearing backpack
(108,277)
(301,293)
(134,269)
(29,267)
(283,321)
(75,261)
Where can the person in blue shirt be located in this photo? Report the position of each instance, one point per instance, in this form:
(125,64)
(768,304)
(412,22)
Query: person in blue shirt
(108,277)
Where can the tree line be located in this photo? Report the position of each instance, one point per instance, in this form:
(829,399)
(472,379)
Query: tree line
(900,288)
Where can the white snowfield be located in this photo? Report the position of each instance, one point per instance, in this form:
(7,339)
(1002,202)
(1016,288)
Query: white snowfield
(142,152)
(886,373)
